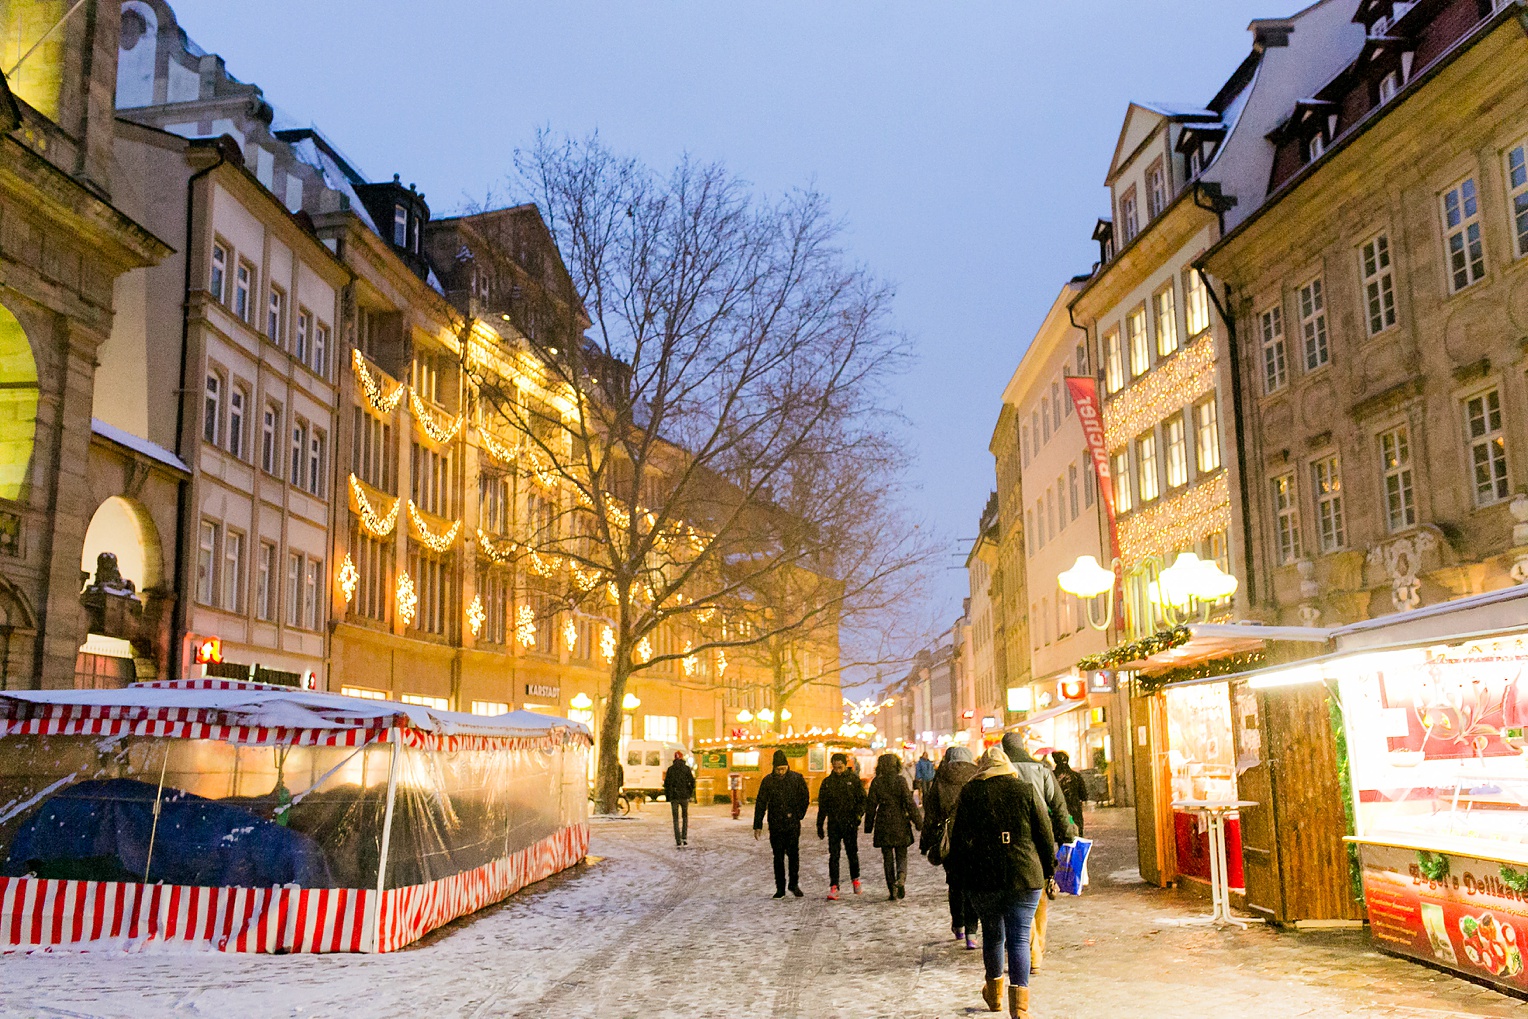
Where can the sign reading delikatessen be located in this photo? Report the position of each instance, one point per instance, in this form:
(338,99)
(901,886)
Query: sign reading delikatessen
(543,690)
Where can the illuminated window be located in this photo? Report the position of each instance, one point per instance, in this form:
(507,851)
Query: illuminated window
(1071,488)
(1395,464)
(1286,518)
(1326,482)
(1275,366)
(1517,196)
(1140,346)
(423,701)
(1124,496)
(1461,235)
(362,693)
(1165,306)
(233,571)
(1196,304)
(1176,437)
(1379,283)
(661,728)
(490,708)
(1114,362)
(1146,455)
(1206,436)
(1488,447)
(1045,418)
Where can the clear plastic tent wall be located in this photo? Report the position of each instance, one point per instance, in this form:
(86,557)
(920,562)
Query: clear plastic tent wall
(183,814)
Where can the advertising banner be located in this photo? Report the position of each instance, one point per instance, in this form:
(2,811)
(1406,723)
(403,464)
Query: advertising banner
(1090,412)
(1460,912)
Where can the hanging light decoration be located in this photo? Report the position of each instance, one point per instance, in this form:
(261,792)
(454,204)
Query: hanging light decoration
(408,599)
(349,578)
(426,419)
(525,626)
(476,614)
(377,525)
(689,662)
(431,540)
(373,389)
(569,634)
(721,662)
(644,650)
(607,644)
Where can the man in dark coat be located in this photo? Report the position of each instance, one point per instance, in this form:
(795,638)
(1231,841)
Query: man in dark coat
(1062,828)
(1073,788)
(841,804)
(784,799)
(679,789)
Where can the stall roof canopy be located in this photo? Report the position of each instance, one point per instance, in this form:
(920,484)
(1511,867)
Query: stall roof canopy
(1208,641)
(1046,715)
(170,706)
(1478,615)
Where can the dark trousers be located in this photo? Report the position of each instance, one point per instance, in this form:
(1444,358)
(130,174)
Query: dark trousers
(786,842)
(846,838)
(894,858)
(963,916)
(681,809)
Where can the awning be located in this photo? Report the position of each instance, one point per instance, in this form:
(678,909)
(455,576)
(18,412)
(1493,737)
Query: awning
(1209,641)
(1046,715)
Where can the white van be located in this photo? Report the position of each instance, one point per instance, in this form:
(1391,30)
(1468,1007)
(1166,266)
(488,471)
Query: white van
(645,762)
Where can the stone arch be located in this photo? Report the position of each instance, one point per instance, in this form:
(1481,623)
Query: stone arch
(18,407)
(124,527)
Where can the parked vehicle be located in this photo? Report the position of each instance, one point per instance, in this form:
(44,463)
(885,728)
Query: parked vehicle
(646,760)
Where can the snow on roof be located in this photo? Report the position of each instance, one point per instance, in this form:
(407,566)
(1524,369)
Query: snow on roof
(1176,112)
(298,709)
(152,450)
(307,150)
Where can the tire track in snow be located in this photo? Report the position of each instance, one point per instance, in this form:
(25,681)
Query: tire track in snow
(799,954)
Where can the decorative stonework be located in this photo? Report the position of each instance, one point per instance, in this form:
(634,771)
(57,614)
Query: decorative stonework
(1401,560)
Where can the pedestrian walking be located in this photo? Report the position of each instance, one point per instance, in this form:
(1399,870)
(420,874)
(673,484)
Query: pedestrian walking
(1074,789)
(1062,829)
(784,799)
(923,775)
(953,773)
(891,816)
(679,789)
(1003,846)
(840,805)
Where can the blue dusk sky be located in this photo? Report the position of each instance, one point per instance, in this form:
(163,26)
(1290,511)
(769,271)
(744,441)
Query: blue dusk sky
(963,143)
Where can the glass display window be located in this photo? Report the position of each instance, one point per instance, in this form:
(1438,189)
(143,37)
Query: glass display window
(1200,751)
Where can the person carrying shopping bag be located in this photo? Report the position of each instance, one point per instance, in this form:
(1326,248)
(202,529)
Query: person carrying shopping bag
(1062,828)
(892,816)
(1005,851)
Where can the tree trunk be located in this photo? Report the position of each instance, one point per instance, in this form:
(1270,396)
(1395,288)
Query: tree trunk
(606,784)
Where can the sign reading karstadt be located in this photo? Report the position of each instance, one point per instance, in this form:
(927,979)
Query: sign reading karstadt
(542,690)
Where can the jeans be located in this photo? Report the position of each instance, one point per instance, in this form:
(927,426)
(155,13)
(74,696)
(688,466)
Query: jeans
(681,809)
(1037,930)
(846,838)
(1010,926)
(963,916)
(894,858)
(786,842)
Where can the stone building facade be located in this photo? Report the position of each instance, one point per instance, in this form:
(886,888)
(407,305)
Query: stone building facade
(1380,299)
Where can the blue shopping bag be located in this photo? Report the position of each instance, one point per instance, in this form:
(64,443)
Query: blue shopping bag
(1072,865)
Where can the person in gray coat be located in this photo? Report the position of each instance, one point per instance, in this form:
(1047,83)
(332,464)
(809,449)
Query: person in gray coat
(1061,826)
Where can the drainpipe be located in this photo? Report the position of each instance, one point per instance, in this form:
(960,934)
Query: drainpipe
(1238,416)
(183,493)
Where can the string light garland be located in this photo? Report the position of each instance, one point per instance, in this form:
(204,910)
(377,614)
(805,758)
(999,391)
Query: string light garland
(644,651)
(426,419)
(373,389)
(1136,650)
(498,552)
(607,644)
(1176,522)
(408,599)
(689,662)
(544,473)
(377,525)
(349,578)
(476,615)
(434,542)
(1176,384)
(1225,666)
(525,626)
(721,662)
(569,634)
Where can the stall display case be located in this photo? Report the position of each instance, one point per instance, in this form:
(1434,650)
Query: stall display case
(1202,763)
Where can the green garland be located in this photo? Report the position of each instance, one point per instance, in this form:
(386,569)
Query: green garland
(1204,670)
(1514,879)
(1134,651)
(1345,785)
(1434,866)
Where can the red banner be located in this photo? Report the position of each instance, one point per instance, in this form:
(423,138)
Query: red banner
(1090,412)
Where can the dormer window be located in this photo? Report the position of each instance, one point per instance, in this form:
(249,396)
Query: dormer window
(1389,85)
(1129,217)
(1315,147)
(400,226)
(1381,25)
(1195,161)
(1156,190)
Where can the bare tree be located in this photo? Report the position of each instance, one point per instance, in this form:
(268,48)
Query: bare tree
(705,405)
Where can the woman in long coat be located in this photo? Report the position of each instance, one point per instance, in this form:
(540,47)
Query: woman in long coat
(939,805)
(1006,854)
(891,816)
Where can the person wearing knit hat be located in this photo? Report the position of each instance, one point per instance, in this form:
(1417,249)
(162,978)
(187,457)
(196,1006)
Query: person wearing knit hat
(1062,828)
(840,805)
(784,799)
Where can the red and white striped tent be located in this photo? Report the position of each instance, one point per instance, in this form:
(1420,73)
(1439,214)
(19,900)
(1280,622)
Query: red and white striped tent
(520,749)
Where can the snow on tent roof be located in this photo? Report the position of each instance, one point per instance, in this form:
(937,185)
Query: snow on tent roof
(256,705)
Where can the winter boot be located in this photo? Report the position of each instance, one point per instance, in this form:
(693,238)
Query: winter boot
(1018,1003)
(959,934)
(992,994)
(970,941)
(901,889)
(833,893)
(779,893)
(796,891)
(856,886)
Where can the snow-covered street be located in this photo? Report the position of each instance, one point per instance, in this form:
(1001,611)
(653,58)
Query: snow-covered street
(655,932)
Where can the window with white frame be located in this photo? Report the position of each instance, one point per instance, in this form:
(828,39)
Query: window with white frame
(1326,482)
(1271,332)
(1389,85)
(1396,474)
(1165,308)
(1312,300)
(1034,429)
(1206,436)
(1045,418)
(321,349)
(1129,217)
(1175,438)
(1196,304)
(238,403)
(1089,481)
(212,411)
(299,450)
(270,430)
(1315,147)
(243,286)
(1146,459)
(233,571)
(1114,362)
(312,608)
(265,582)
(1379,283)
(1488,446)
(490,708)
(661,728)
(1461,235)
(1119,469)
(275,317)
(206,561)
(217,275)
(420,700)
(1286,517)
(1517,196)
(1073,490)
(294,589)
(300,343)
(1029,529)
(1156,189)
(400,225)
(1052,523)
(317,458)
(1139,344)
(1055,405)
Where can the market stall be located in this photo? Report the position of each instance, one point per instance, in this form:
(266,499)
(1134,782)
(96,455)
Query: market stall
(746,758)
(247,817)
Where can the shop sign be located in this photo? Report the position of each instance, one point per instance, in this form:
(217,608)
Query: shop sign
(712,758)
(543,690)
(207,650)
(1101,682)
(1460,912)
(794,751)
(1071,688)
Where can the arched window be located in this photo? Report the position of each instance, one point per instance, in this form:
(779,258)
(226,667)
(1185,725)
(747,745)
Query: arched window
(18,407)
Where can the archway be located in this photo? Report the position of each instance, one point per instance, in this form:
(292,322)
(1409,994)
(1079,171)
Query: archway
(123,527)
(18,407)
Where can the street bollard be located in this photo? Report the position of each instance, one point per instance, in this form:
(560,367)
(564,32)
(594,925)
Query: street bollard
(735,786)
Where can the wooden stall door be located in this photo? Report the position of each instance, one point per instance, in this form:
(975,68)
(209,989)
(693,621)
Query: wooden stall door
(1155,843)
(1254,781)
(1309,816)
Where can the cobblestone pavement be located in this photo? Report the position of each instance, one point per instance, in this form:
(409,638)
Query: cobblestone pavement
(654,931)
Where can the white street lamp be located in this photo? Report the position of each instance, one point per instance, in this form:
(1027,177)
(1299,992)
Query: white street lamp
(745,716)
(766,715)
(630,702)
(1187,581)
(1087,580)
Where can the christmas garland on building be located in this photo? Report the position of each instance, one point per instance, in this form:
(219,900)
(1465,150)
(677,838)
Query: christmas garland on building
(1135,650)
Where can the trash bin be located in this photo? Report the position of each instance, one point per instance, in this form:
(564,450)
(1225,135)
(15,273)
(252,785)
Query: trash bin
(705,791)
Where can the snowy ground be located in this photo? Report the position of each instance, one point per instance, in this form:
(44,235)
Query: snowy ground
(660,933)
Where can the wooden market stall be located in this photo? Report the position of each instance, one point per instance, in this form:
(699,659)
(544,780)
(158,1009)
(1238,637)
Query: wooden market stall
(748,756)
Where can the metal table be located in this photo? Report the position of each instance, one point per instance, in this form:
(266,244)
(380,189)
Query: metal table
(1214,812)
